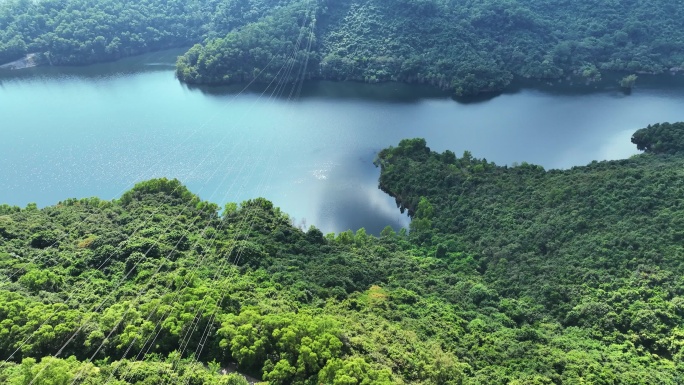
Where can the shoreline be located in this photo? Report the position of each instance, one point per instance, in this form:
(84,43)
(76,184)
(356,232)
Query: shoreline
(28,61)
(572,83)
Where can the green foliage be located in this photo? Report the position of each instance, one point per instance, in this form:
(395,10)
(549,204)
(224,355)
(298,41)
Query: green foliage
(352,372)
(159,187)
(509,275)
(462,46)
(660,138)
(289,348)
(594,248)
(37,280)
(277,46)
(53,371)
(76,32)
(628,81)
(465,47)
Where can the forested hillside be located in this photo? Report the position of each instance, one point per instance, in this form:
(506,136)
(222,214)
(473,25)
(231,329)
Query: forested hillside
(76,32)
(466,47)
(509,275)
(462,46)
(595,248)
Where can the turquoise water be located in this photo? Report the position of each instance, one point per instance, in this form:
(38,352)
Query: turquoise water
(95,131)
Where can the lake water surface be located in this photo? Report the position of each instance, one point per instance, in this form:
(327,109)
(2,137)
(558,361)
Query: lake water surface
(95,131)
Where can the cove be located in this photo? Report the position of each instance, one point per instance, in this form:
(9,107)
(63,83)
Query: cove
(96,130)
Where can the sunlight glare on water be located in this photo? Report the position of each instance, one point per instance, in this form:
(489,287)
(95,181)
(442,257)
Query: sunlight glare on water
(95,131)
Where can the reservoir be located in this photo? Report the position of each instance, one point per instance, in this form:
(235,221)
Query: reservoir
(97,130)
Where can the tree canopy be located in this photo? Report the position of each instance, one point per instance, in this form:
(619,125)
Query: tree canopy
(660,138)
(462,46)
(509,275)
(77,32)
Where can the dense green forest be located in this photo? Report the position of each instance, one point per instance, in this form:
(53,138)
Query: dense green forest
(466,47)
(508,275)
(462,46)
(77,32)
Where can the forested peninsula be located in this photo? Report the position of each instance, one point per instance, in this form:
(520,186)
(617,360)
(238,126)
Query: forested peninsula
(465,47)
(508,275)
